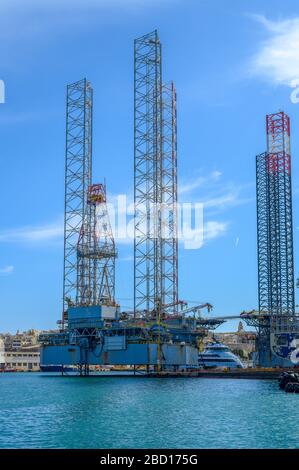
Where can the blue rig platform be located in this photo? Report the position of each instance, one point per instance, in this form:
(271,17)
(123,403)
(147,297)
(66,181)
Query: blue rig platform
(100,335)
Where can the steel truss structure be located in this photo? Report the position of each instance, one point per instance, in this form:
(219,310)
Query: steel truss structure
(78,174)
(155,181)
(96,252)
(274,224)
(169,235)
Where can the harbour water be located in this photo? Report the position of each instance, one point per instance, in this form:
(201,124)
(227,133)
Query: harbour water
(47,411)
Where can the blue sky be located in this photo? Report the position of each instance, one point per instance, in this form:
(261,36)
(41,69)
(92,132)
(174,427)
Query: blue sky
(232,62)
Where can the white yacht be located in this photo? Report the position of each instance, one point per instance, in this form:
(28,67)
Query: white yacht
(218,355)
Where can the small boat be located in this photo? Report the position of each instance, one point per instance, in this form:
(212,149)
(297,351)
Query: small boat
(289,382)
(218,355)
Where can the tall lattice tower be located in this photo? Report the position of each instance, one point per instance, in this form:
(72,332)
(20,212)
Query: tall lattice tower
(89,248)
(169,217)
(155,181)
(96,252)
(77,178)
(274,221)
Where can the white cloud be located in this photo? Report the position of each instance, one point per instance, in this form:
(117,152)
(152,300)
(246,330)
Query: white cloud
(211,229)
(228,199)
(207,191)
(40,233)
(216,196)
(195,183)
(214,193)
(7,270)
(214,229)
(221,201)
(277,60)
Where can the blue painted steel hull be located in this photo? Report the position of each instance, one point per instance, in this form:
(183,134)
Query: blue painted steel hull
(273,354)
(129,354)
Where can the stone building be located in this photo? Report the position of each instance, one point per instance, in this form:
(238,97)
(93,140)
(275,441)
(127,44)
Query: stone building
(20,351)
(22,360)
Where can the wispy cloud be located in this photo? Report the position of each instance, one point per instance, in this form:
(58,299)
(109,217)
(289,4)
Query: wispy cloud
(7,270)
(217,196)
(195,183)
(31,234)
(214,229)
(207,193)
(210,230)
(277,59)
(226,200)
(215,193)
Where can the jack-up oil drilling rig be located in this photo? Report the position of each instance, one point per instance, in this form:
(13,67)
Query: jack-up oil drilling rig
(276,322)
(161,332)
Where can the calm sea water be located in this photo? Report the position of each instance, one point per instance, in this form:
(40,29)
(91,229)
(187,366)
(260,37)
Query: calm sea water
(44,411)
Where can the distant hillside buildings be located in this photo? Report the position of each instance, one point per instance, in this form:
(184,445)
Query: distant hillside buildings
(20,352)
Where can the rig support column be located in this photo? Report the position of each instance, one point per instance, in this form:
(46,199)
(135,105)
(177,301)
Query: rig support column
(155,182)
(77,178)
(275,234)
(274,220)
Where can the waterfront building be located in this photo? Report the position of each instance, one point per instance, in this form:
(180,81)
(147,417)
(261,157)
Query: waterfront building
(2,357)
(22,360)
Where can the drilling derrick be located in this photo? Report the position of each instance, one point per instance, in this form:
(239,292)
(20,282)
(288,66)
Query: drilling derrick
(147,171)
(155,181)
(275,228)
(96,252)
(77,178)
(97,332)
(280,215)
(275,237)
